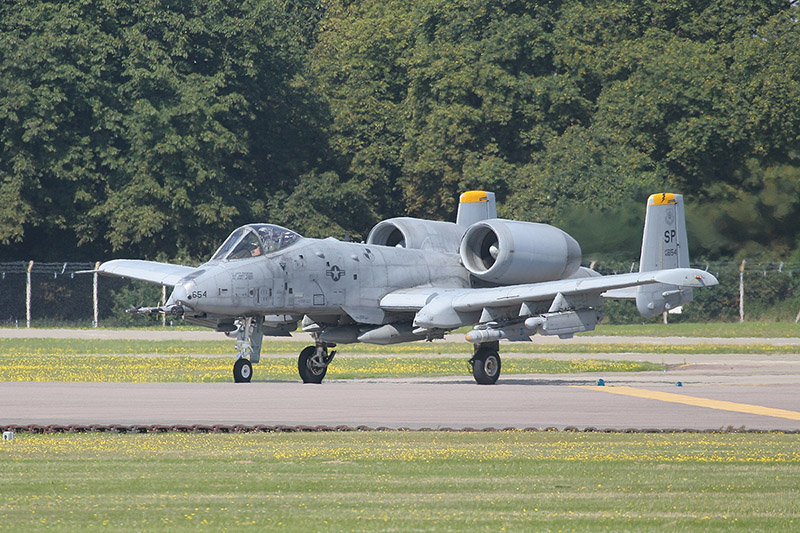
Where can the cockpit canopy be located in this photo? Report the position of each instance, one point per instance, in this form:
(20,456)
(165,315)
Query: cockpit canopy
(253,240)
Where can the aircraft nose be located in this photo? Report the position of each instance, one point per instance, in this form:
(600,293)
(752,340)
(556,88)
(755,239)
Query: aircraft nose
(180,295)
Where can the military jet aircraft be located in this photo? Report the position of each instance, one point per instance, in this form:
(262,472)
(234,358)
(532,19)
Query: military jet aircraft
(415,280)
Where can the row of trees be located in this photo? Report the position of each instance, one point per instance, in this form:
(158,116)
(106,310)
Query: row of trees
(153,128)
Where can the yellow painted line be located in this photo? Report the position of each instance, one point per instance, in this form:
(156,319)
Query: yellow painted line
(697,402)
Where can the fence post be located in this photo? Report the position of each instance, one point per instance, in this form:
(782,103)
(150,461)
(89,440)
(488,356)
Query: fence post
(28,296)
(741,291)
(95,321)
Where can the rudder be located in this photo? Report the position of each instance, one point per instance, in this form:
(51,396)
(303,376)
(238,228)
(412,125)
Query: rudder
(664,246)
(664,243)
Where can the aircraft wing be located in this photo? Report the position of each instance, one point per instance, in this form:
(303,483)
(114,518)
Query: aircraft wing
(437,307)
(152,271)
(517,294)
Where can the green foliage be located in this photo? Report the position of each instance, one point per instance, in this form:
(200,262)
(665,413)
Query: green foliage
(133,294)
(757,216)
(152,129)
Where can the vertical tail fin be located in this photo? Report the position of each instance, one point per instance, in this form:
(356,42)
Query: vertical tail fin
(664,243)
(475,206)
(664,246)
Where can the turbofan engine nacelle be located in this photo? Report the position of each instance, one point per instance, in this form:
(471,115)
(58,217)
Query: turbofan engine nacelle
(509,252)
(415,233)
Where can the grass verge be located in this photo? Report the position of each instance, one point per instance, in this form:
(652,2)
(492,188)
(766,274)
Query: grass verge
(42,346)
(399,481)
(705,329)
(116,368)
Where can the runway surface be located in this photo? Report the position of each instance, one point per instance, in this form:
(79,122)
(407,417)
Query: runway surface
(716,392)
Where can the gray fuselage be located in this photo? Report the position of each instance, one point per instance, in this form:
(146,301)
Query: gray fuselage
(316,277)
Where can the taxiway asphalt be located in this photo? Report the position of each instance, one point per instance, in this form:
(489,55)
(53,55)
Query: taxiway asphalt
(716,392)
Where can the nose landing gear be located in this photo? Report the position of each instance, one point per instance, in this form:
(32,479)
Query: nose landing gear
(249,336)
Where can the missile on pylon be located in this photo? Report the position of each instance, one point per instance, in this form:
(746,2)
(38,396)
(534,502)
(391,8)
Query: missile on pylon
(479,336)
(515,332)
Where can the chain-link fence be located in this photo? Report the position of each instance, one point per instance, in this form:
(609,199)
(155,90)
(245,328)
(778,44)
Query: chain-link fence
(747,291)
(52,294)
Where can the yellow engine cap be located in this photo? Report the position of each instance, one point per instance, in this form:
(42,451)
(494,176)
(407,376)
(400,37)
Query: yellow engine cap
(474,196)
(662,198)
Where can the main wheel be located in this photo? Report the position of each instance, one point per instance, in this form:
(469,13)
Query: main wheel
(486,367)
(311,369)
(242,370)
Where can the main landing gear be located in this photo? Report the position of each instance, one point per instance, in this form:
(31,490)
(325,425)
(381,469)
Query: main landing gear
(242,370)
(313,362)
(486,363)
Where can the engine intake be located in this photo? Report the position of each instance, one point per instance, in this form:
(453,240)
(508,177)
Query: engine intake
(509,252)
(407,232)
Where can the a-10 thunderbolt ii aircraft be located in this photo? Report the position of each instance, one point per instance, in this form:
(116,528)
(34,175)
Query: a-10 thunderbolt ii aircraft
(417,280)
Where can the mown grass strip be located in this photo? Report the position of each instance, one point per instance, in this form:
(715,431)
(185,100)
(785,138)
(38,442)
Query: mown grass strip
(705,329)
(401,481)
(37,347)
(129,369)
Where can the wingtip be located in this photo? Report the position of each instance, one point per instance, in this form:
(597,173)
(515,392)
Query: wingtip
(686,277)
(706,279)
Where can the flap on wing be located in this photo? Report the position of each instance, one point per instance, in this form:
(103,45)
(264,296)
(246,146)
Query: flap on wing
(412,299)
(628,293)
(152,271)
(365,315)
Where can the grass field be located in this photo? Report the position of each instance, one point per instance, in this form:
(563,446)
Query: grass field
(26,359)
(401,481)
(706,329)
(121,368)
(48,346)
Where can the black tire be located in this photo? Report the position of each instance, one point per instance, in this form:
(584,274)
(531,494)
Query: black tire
(486,367)
(309,372)
(242,370)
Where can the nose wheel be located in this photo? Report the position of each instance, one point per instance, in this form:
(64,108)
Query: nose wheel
(248,347)
(242,371)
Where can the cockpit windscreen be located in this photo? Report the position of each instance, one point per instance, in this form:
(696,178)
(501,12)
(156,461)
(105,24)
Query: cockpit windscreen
(254,240)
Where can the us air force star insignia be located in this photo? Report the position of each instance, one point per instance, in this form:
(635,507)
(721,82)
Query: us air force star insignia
(335,273)
(670,219)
